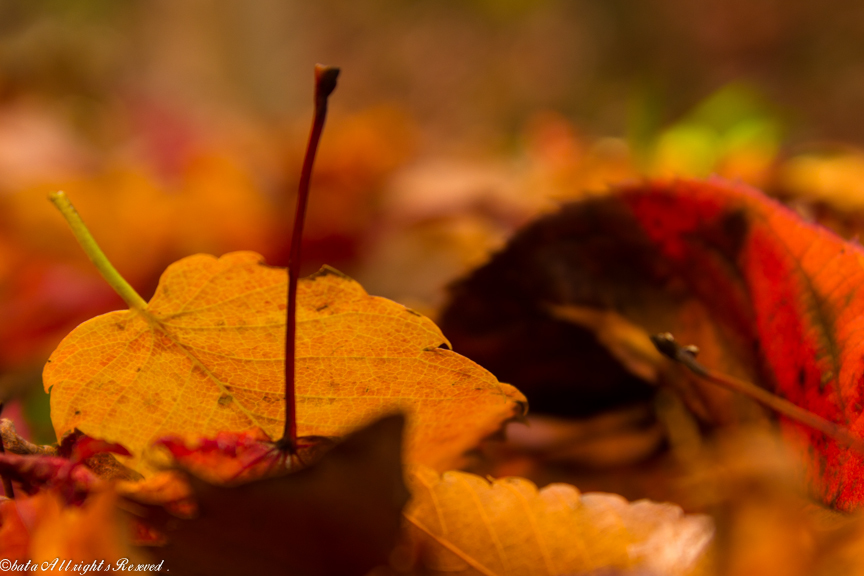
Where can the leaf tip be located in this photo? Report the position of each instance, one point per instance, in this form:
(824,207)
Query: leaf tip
(325,271)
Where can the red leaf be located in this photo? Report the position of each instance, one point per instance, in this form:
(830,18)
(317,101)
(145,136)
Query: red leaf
(33,473)
(227,457)
(780,296)
(78,447)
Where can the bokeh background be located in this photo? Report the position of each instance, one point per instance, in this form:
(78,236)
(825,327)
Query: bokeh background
(178,127)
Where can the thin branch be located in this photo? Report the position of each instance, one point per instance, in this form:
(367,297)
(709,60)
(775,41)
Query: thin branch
(686,355)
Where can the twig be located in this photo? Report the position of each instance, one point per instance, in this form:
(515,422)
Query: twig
(686,355)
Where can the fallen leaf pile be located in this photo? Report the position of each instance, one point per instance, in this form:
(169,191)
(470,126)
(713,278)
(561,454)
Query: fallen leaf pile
(169,414)
(195,379)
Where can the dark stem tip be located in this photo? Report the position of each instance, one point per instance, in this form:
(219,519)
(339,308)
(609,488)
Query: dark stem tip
(325,80)
(666,344)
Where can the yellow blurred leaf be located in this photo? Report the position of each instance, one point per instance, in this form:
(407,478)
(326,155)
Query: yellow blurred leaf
(835,179)
(463,524)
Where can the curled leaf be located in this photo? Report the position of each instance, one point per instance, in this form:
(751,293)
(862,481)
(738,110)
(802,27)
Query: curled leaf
(766,296)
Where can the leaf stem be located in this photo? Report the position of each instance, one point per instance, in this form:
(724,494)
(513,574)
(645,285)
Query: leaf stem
(91,248)
(686,355)
(325,83)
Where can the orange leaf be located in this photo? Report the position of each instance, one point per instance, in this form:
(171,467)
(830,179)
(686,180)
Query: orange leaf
(14,535)
(92,534)
(207,355)
(462,523)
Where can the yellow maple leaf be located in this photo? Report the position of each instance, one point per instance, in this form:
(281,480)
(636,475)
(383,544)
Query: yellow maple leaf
(206,354)
(459,523)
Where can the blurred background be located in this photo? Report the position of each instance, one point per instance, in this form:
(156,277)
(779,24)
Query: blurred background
(178,127)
